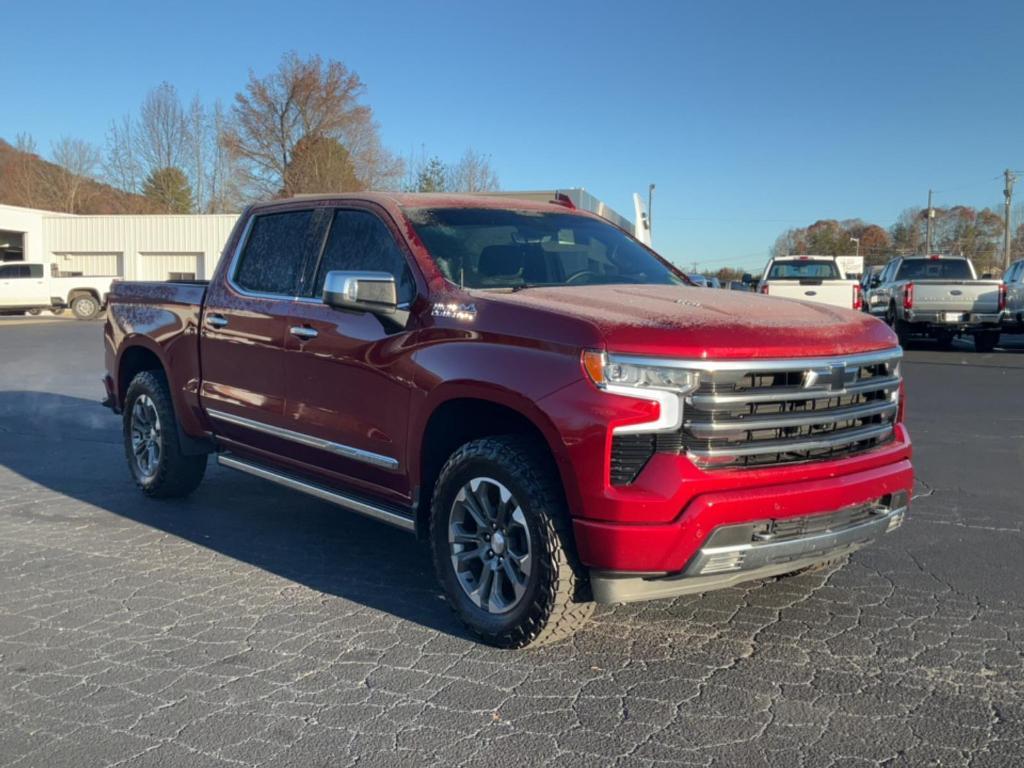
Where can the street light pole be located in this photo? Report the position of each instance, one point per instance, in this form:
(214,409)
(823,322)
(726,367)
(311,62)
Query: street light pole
(857,241)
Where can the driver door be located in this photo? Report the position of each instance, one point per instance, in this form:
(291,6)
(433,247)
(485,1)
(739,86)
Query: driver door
(347,387)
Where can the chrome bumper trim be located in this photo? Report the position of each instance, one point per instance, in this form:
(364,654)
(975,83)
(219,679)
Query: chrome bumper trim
(719,567)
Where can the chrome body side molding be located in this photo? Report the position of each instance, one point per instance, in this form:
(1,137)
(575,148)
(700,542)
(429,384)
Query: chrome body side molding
(358,454)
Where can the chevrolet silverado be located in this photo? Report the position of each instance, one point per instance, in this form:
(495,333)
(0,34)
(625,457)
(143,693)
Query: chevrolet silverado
(542,399)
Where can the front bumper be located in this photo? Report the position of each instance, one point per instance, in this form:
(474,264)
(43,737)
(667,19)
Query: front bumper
(758,550)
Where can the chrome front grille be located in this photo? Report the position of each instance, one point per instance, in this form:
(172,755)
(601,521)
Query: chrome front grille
(759,413)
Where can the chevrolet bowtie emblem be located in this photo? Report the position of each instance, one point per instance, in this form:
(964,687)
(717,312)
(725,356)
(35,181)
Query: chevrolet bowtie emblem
(834,378)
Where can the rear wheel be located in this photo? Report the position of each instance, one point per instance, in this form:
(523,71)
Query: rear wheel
(35,311)
(985,341)
(151,445)
(502,546)
(85,306)
(896,324)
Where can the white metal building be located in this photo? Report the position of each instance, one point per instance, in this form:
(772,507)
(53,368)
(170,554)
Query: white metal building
(126,246)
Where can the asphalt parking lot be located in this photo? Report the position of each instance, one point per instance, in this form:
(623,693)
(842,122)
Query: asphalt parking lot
(248,626)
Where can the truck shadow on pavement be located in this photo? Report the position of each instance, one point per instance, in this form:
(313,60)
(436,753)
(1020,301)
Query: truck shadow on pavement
(73,447)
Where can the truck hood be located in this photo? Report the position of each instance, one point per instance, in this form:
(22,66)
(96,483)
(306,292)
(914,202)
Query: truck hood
(704,322)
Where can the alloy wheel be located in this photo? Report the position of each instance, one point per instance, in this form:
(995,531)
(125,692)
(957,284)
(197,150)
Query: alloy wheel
(489,541)
(145,436)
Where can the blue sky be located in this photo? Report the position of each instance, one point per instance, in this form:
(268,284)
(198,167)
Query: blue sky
(750,117)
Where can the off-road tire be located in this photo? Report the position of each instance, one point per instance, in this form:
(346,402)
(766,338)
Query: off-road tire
(177,474)
(85,306)
(986,341)
(556,602)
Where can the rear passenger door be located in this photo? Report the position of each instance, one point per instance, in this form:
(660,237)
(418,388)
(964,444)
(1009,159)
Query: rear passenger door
(244,331)
(23,285)
(348,387)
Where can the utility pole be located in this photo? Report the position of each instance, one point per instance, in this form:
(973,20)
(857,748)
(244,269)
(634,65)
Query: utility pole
(1009,176)
(931,213)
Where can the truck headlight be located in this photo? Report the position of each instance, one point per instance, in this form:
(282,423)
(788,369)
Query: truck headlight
(623,371)
(643,379)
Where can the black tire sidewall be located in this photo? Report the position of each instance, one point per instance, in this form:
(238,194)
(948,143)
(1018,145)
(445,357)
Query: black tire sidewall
(488,625)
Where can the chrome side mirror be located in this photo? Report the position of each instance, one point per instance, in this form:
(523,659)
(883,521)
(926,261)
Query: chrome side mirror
(375,292)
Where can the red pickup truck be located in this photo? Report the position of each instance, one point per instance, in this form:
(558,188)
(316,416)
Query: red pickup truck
(544,400)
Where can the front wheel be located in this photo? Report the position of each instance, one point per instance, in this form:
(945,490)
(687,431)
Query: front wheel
(502,545)
(151,445)
(85,307)
(35,311)
(985,341)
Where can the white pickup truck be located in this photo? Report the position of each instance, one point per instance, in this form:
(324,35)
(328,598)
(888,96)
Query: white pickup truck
(811,278)
(32,286)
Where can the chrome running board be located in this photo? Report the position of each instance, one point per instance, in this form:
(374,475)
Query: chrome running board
(395,518)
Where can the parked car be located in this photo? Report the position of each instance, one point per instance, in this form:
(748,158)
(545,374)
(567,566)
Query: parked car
(940,297)
(810,278)
(738,285)
(31,286)
(1013,315)
(699,280)
(865,285)
(536,395)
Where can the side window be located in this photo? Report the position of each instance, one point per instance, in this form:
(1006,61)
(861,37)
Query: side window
(359,241)
(890,272)
(14,271)
(35,271)
(272,259)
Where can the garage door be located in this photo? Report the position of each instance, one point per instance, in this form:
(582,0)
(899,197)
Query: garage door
(170,266)
(89,264)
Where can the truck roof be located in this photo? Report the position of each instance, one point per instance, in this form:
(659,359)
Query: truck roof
(425,200)
(803,257)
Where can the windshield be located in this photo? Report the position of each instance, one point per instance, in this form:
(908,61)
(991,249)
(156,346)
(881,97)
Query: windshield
(935,269)
(488,248)
(804,270)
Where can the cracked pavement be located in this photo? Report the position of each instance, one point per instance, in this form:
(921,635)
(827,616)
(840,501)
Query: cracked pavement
(249,626)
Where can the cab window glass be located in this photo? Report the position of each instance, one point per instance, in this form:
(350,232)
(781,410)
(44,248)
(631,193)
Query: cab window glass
(359,241)
(273,256)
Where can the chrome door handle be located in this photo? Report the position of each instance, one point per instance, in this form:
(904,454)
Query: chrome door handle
(216,321)
(302,332)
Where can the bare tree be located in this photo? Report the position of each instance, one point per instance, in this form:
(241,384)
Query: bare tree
(304,98)
(121,167)
(473,173)
(225,177)
(162,136)
(77,162)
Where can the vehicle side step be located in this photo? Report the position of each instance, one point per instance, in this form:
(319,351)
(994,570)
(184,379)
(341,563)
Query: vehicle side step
(391,516)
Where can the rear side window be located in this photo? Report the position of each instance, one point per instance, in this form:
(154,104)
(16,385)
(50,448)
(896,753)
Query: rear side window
(359,241)
(16,271)
(272,259)
(804,270)
(934,269)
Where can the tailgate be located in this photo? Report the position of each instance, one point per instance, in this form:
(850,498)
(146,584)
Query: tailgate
(837,293)
(974,296)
